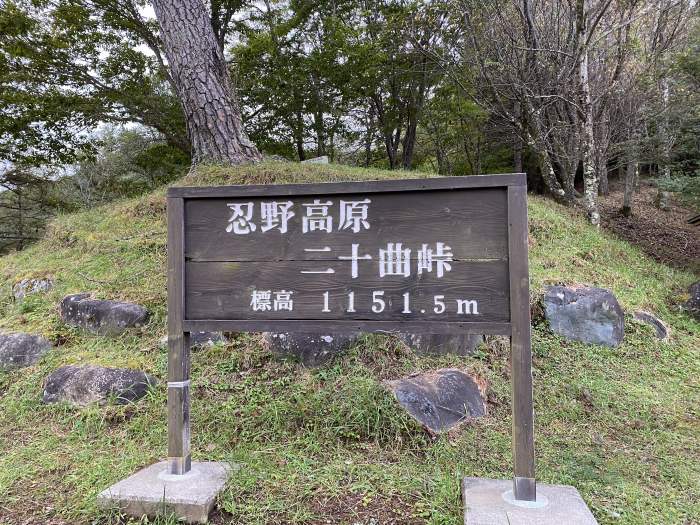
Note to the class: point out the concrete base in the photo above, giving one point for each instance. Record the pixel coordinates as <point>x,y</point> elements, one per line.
<point>153,491</point>
<point>491,502</point>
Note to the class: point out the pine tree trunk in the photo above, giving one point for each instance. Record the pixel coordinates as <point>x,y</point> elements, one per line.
<point>199,72</point>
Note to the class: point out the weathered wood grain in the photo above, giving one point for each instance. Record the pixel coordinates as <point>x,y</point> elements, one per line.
<point>330,188</point>
<point>473,224</point>
<point>178,346</point>
<point>349,326</point>
<point>223,290</point>
<point>524,486</point>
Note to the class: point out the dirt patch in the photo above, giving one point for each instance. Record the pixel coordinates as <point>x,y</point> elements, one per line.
<point>357,509</point>
<point>665,236</point>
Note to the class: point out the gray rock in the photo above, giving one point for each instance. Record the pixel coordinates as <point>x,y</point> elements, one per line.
<point>31,286</point>
<point>442,344</point>
<point>20,350</point>
<point>200,339</point>
<point>101,317</point>
<point>207,338</point>
<point>83,385</point>
<point>591,315</point>
<point>693,304</point>
<point>308,349</point>
<point>439,400</point>
<point>323,159</point>
<point>662,331</point>
<point>275,158</point>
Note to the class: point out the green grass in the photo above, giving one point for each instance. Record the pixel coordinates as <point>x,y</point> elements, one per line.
<point>330,445</point>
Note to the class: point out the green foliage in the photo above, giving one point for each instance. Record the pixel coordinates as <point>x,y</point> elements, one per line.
<point>329,444</point>
<point>461,135</point>
<point>687,188</point>
<point>69,65</point>
<point>128,163</point>
<point>28,198</point>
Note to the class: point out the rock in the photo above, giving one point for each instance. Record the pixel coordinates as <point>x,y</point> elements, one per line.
<point>662,331</point>
<point>275,158</point>
<point>591,315</point>
<point>308,349</point>
<point>323,159</point>
<point>441,344</point>
<point>82,385</point>
<point>20,350</point>
<point>693,304</point>
<point>101,317</point>
<point>439,400</point>
<point>200,339</point>
<point>31,286</point>
<point>207,338</point>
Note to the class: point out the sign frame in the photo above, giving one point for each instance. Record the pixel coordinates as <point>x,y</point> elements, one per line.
<point>518,328</point>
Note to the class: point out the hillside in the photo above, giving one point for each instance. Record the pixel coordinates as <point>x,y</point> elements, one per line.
<point>329,445</point>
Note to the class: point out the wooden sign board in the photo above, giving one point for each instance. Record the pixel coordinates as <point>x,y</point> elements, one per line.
<point>439,255</point>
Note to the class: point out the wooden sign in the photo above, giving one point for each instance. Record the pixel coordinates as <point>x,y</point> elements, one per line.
<point>440,255</point>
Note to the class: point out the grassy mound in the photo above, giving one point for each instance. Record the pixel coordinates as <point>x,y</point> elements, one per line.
<point>329,445</point>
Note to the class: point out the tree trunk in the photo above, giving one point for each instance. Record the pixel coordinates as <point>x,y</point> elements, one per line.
<point>550,179</point>
<point>518,145</point>
<point>408,143</point>
<point>536,142</point>
<point>663,196</point>
<point>630,176</point>
<point>299,136</point>
<point>369,135</point>
<point>590,179</point>
<point>631,171</point>
<point>199,72</point>
<point>602,169</point>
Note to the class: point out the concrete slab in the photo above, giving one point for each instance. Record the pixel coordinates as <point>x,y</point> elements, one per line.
<point>152,491</point>
<point>491,502</point>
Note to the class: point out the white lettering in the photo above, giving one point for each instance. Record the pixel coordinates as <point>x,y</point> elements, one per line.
<point>354,257</point>
<point>441,256</point>
<point>353,215</point>
<point>275,215</point>
<point>239,222</point>
<point>283,301</point>
<point>261,300</point>
<point>439,304</point>
<point>317,217</point>
<point>469,306</point>
<point>351,302</point>
<point>395,260</point>
<point>378,303</point>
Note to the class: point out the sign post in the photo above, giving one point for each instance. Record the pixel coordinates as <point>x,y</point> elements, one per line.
<point>437,255</point>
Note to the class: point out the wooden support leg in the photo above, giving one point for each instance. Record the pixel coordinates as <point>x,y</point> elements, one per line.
<point>179,461</point>
<point>178,347</point>
<point>523,420</point>
<point>521,353</point>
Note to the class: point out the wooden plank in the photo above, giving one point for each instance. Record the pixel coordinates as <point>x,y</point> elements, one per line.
<point>178,346</point>
<point>521,355</point>
<point>472,228</point>
<point>328,188</point>
<point>332,326</point>
<point>225,290</point>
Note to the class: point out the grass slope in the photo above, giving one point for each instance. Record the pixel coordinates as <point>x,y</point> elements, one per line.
<point>329,445</point>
